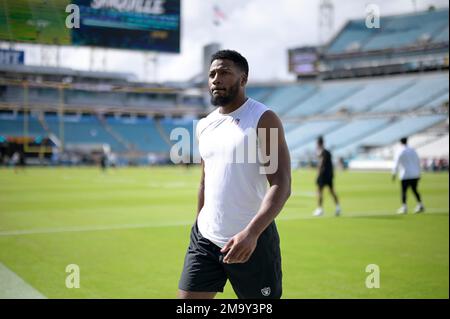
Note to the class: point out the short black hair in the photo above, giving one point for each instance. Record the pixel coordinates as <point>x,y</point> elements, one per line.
<point>320,140</point>
<point>234,56</point>
<point>404,140</point>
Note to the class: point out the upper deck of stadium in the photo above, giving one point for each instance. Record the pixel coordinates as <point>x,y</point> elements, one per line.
<point>396,32</point>
<point>376,85</point>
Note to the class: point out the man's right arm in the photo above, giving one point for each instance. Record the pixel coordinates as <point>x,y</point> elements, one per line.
<point>201,190</point>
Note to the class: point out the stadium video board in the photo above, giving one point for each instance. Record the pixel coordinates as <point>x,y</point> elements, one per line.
<point>304,61</point>
<point>152,25</point>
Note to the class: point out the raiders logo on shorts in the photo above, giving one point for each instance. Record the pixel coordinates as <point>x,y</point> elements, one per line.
<point>265,291</point>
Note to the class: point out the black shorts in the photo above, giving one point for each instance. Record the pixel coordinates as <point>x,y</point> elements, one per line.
<point>259,277</point>
<point>413,182</point>
<point>325,180</point>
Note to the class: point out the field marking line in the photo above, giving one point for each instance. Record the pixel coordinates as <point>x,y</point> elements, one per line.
<point>69,229</point>
<point>363,214</point>
<point>304,194</point>
<point>14,287</point>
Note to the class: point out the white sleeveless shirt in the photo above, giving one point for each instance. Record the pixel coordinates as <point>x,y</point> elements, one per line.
<point>234,185</point>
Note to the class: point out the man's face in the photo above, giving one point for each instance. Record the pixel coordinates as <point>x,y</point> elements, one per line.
<point>319,146</point>
<point>225,82</point>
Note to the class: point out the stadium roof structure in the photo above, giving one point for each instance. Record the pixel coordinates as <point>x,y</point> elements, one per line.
<point>48,70</point>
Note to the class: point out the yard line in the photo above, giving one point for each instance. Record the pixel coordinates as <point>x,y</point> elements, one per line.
<point>304,194</point>
<point>14,287</point>
<point>69,229</point>
<point>364,214</point>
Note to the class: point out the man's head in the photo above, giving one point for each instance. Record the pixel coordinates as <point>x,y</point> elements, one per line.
<point>404,140</point>
<point>320,142</point>
<point>228,74</point>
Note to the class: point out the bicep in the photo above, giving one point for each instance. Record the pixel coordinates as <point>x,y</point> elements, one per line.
<point>273,145</point>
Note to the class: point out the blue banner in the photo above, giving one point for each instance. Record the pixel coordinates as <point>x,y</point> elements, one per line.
<point>11,57</point>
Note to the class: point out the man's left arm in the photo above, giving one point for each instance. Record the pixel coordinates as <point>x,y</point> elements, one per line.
<point>396,165</point>
<point>241,246</point>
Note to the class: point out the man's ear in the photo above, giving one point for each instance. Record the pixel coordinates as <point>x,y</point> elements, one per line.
<point>244,79</point>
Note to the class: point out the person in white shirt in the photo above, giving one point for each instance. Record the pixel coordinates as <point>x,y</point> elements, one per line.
<point>235,237</point>
<point>407,165</point>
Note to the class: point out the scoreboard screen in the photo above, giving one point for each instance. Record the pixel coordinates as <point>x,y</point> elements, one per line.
<point>304,61</point>
<point>152,25</point>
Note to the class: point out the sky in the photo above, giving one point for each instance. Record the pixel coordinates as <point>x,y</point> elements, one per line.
<point>261,30</point>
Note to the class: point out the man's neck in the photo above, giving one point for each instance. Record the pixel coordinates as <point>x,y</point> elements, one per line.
<point>233,106</point>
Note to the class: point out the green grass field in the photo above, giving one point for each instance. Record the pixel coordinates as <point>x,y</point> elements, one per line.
<point>128,230</point>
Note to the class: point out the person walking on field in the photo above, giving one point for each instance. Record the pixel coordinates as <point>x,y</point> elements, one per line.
<point>407,166</point>
<point>234,236</point>
<point>325,176</point>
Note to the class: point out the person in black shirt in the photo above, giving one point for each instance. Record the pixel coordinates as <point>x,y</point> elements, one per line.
<point>325,177</point>
<point>103,161</point>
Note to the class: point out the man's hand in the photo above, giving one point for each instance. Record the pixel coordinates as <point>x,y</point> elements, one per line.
<point>240,247</point>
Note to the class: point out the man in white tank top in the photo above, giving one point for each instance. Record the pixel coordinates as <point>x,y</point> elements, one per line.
<point>246,180</point>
